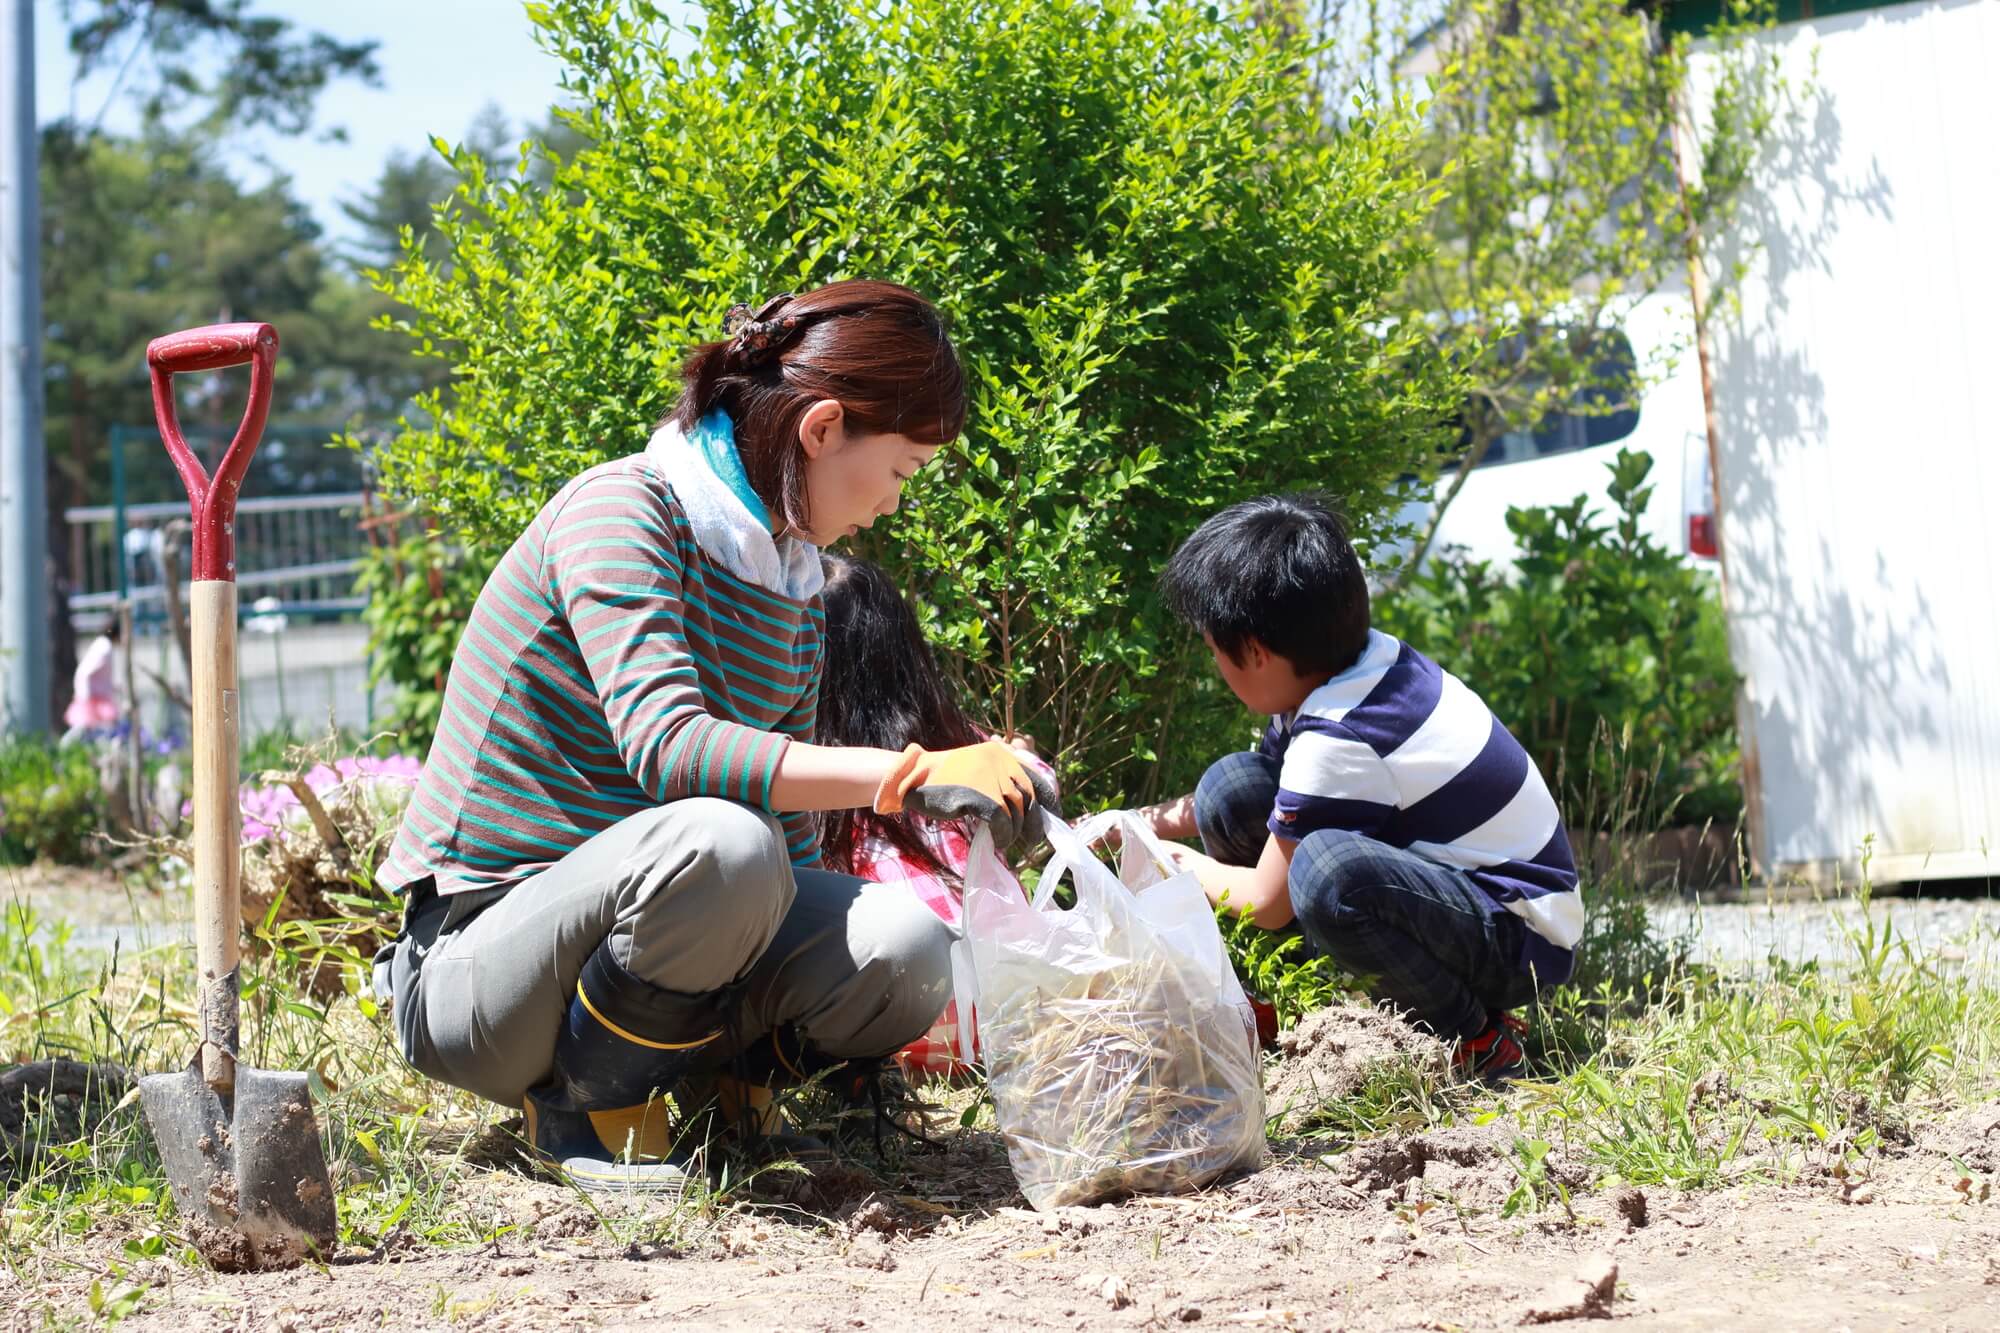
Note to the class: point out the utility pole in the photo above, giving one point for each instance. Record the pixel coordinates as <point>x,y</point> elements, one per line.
<point>24,646</point>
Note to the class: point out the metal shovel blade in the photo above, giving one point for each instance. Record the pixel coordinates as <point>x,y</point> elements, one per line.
<point>247,1171</point>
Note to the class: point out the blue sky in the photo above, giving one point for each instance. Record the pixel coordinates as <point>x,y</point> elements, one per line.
<point>441,60</point>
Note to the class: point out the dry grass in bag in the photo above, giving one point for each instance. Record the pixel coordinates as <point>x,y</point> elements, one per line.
<point>1145,1086</point>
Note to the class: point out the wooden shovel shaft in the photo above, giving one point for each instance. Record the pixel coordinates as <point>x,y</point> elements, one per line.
<point>218,842</point>
<point>218,837</point>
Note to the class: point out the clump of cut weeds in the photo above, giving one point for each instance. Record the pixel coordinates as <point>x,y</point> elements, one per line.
<point>1125,1082</point>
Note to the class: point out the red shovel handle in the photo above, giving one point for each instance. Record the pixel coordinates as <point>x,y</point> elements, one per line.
<point>212,500</point>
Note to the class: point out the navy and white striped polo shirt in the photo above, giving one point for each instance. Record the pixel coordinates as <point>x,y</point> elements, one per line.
<point>1398,748</point>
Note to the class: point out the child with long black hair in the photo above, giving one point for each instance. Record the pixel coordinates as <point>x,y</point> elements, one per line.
<point>882,687</point>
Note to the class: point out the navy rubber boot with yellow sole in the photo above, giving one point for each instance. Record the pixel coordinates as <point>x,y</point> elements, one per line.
<point>599,1118</point>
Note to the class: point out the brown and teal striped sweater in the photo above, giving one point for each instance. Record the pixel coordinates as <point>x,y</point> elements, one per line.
<point>611,664</point>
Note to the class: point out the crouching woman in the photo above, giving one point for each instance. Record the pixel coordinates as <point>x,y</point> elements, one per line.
<point>611,873</point>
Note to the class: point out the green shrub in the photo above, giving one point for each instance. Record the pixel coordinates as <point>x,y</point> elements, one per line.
<point>1169,268</point>
<point>1599,634</point>
<point>51,802</point>
<point>419,592</point>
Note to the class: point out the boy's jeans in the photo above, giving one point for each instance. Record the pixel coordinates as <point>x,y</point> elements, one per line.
<point>1419,934</point>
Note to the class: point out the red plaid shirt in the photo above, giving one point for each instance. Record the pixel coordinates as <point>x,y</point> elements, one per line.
<point>877,859</point>
<point>936,1052</point>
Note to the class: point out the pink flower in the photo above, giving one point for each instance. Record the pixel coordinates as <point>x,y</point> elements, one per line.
<point>266,805</point>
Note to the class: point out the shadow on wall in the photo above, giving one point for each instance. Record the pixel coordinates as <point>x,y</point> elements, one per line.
<point>1838,648</point>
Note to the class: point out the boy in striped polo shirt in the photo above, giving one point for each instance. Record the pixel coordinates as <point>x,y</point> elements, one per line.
<point>1386,810</point>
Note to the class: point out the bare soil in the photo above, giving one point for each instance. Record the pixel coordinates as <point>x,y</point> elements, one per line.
<point>68,893</point>
<point>1399,1232</point>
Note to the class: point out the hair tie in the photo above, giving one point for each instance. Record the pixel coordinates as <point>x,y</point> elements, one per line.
<point>754,337</point>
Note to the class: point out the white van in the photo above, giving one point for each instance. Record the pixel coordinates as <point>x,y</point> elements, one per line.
<point>1570,455</point>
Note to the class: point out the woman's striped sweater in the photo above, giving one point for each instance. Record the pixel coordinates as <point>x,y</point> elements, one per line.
<point>609,665</point>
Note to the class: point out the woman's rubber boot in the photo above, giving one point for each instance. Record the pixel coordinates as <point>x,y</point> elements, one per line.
<point>737,1103</point>
<point>599,1119</point>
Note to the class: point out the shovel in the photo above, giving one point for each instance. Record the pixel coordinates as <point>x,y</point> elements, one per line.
<point>240,1145</point>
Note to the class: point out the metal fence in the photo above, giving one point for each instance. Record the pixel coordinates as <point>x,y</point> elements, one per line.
<point>299,534</point>
<point>303,550</point>
<point>300,538</point>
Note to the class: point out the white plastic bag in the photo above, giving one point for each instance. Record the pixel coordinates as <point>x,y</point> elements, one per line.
<point>1120,1050</point>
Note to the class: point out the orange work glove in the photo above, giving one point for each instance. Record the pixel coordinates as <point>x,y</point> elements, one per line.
<point>986,781</point>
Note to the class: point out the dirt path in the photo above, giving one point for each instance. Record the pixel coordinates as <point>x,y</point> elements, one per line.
<point>96,908</point>
<point>1402,1233</point>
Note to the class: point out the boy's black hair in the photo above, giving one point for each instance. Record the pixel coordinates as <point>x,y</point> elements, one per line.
<point>1278,569</point>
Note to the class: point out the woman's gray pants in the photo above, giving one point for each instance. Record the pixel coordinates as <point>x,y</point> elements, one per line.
<point>692,897</point>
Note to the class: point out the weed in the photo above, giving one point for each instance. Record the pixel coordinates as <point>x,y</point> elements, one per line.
<point>1534,1187</point>
<point>1274,966</point>
<point>1832,1059</point>
<point>1395,1097</point>
<point>281,746</point>
<point>112,1306</point>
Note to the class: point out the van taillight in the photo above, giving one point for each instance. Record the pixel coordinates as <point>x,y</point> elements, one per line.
<point>1701,535</point>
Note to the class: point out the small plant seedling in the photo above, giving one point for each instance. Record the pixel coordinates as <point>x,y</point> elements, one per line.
<point>1534,1185</point>
<point>121,1303</point>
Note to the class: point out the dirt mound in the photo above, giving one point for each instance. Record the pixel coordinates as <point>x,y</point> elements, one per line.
<point>1299,1178</point>
<point>531,1204</point>
<point>1472,1164</point>
<point>822,1187</point>
<point>873,1212</point>
<point>1333,1052</point>
<point>1384,1163</point>
<point>50,1102</point>
<point>1972,1137</point>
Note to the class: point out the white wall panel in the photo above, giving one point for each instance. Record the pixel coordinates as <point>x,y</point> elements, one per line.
<point>1859,451</point>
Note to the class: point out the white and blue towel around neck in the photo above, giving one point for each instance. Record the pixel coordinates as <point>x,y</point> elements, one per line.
<point>733,526</point>
<point>1399,749</point>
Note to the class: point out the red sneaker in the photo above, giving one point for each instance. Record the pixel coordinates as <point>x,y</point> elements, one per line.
<point>1493,1057</point>
<point>1516,1025</point>
<point>1267,1023</point>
